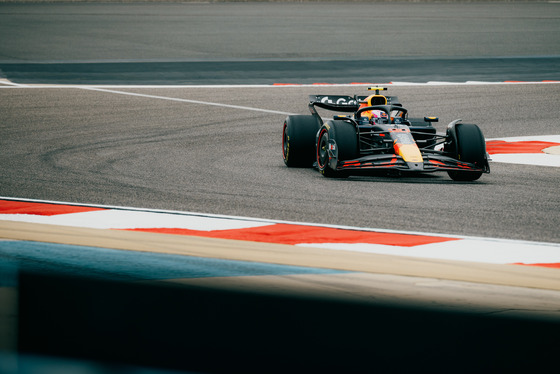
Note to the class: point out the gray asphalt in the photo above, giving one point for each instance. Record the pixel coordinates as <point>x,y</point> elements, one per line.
<point>217,31</point>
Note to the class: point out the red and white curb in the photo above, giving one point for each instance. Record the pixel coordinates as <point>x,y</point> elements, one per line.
<point>542,150</point>
<point>390,242</point>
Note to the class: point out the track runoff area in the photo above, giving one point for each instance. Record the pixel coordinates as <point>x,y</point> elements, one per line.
<point>217,258</point>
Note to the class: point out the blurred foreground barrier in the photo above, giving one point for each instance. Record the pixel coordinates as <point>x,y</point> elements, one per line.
<point>218,331</point>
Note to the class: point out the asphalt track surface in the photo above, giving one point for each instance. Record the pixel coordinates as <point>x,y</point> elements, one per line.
<point>216,149</point>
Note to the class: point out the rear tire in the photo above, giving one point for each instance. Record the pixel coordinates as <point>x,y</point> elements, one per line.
<point>298,140</point>
<point>469,147</point>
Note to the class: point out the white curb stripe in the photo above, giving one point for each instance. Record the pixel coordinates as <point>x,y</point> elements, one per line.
<point>123,219</point>
<point>536,159</point>
<point>473,250</point>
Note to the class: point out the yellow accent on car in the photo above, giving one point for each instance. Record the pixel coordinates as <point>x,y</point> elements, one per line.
<point>410,153</point>
<point>372,100</point>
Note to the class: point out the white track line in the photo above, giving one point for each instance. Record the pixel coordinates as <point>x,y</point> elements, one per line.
<point>183,100</point>
<point>276,85</point>
<point>8,83</point>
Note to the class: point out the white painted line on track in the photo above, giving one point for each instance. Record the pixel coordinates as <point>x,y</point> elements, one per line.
<point>7,83</point>
<point>183,100</point>
<point>276,85</point>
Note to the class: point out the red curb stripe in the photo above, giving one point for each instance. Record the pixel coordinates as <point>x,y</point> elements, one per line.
<point>41,209</point>
<point>296,234</point>
<point>546,265</point>
<point>503,147</point>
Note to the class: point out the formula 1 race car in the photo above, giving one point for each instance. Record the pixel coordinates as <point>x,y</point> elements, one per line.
<point>379,136</point>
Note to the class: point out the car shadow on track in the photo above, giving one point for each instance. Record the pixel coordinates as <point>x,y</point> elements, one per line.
<point>409,178</point>
<point>387,177</point>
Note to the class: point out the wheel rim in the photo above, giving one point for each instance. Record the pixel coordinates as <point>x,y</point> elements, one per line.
<point>322,151</point>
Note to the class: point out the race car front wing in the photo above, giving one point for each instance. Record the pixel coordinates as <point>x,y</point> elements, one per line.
<point>431,163</point>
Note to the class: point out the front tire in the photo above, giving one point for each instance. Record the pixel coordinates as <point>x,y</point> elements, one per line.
<point>468,145</point>
<point>337,141</point>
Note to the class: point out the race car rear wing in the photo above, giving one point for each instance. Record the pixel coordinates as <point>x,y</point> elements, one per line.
<point>342,103</point>
<point>335,102</point>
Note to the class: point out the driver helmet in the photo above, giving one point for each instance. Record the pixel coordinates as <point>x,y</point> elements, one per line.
<point>372,114</point>
<point>378,114</point>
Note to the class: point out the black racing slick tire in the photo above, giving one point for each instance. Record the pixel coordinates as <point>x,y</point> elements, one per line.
<point>337,141</point>
<point>468,146</point>
<point>298,140</point>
